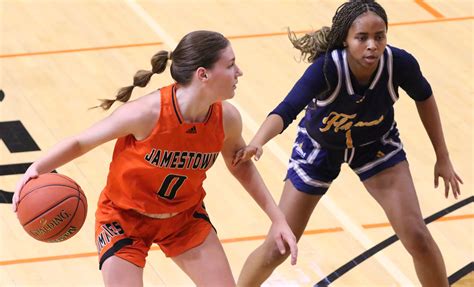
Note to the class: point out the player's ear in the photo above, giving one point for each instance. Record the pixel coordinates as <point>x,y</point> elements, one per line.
<point>202,74</point>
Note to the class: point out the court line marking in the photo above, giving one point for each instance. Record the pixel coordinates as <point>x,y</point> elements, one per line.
<point>456,276</point>
<point>248,36</point>
<point>449,218</point>
<point>81,49</point>
<point>429,9</point>
<point>356,261</point>
<point>224,241</point>
<point>91,254</point>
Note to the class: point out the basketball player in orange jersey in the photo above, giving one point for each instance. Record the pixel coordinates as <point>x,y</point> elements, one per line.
<point>166,141</point>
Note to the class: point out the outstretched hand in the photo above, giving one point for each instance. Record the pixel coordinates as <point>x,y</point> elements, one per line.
<point>246,153</point>
<point>445,170</point>
<point>29,174</point>
<point>281,233</point>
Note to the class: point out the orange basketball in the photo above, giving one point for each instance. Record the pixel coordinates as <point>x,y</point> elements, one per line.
<point>52,207</point>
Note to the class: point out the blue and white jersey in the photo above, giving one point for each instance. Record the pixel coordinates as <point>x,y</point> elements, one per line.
<point>352,115</point>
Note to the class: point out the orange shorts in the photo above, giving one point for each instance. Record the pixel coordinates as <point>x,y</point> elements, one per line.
<point>129,235</point>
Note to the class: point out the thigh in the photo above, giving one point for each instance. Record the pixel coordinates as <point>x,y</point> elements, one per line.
<point>120,233</point>
<point>184,231</point>
<point>394,190</point>
<point>206,264</point>
<point>369,160</point>
<point>297,207</point>
<point>119,272</point>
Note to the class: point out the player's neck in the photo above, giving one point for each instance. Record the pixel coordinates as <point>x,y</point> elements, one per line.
<point>192,104</point>
<point>361,73</point>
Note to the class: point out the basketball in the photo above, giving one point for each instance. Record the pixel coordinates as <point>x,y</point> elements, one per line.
<point>52,207</point>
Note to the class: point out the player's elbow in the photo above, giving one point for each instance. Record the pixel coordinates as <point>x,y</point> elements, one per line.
<point>77,147</point>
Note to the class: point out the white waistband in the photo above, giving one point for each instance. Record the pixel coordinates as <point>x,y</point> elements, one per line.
<point>159,215</point>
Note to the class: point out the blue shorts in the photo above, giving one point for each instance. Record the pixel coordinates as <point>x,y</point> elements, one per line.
<point>312,168</point>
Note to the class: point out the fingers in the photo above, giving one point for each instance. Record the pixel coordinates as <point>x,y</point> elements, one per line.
<point>455,187</point>
<point>292,245</point>
<point>237,157</point>
<point>240,156</point>
<point>19,186</point>
<point>455,180</point>
<point>452,183</point>
<point>16,194</point>
<point>246,153</point>
<point>291,242</point>
<point>280,245</point>
<point>446,188</point>
<point>293,249</point>
<point>451,180</point>
<point>258,153</point>
<point>15,202</point>
<point>458,180</point>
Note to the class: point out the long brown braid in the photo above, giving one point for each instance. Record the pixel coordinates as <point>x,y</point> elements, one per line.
<point>326,39</point>
<point>196,49</point>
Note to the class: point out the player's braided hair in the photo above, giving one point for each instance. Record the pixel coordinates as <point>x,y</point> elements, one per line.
<point>196,49</point>
<point>326,39</point>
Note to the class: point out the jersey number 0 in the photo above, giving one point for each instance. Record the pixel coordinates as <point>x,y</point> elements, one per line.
<point>170,186</point>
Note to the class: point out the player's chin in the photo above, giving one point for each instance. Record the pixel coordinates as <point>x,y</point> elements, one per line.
<point>370,62</point>
<point>231,93</point>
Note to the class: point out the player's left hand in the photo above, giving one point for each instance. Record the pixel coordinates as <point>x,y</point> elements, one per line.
<point>281,234</point>
<point>444,168</point>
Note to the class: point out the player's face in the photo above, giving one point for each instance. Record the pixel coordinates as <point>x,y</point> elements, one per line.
<point>366,41</point>
<point>224,75</point>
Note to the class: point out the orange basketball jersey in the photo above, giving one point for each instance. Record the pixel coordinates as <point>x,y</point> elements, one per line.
<point>165,172</point>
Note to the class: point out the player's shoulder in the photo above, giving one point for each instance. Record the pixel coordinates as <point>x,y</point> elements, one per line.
<point>401,55</point>
<point>325,59</point>
<point>151,101</point>
<point>143,107</point>
<point>324,62</point>
<point>230,111</point>
<point>139,116</point>
<point>232,119</point>
<point>404,63</point>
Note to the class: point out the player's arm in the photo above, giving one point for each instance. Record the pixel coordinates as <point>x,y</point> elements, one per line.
<point>309,86</point>
<point>248,176</point>
<point>131,118</point>
<point>126,119</point>
<point>411,79</point>
<point>271,127</point>
<point>429,116</point>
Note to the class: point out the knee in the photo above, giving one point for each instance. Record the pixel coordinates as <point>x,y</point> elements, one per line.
<point>419,242</point>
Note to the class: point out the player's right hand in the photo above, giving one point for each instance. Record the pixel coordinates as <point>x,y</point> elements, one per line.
<point>246,153</point>
<point>29,174</point>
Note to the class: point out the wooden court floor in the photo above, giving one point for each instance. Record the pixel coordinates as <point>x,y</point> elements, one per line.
<point>57,57</point>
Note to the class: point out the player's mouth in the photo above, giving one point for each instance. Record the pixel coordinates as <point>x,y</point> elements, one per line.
<point>371,59</point>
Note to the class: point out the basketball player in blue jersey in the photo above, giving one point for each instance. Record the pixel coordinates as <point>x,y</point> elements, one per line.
<point>349,91</point>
